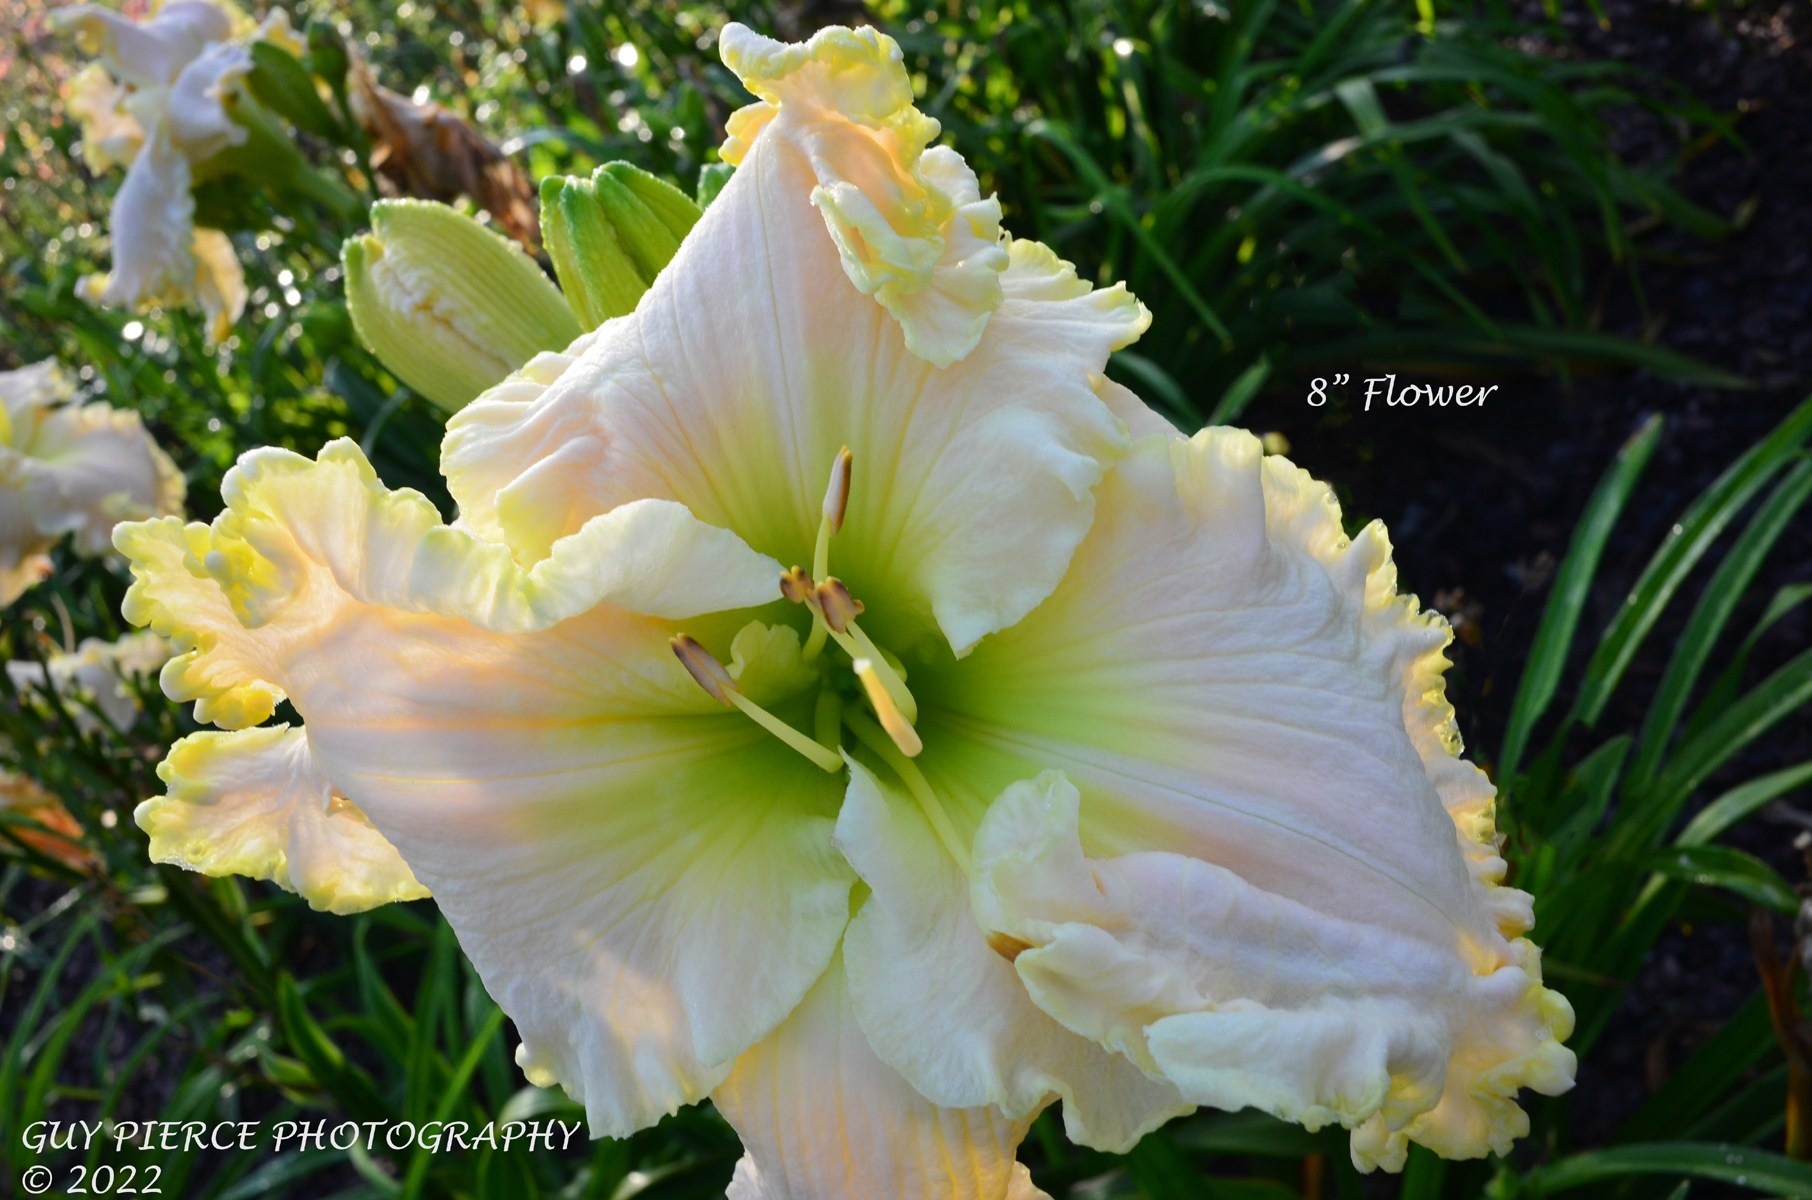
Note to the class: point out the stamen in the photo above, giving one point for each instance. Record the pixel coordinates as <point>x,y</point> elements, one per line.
<point>836,503</point>
<point>832,601</point>
<point>1007,946</point>
<point>704,668</point>
<point>898,728</point>
<point>796,586</point>
<point>870,735</point>
<point>716,681</point>
<point>836,494</point>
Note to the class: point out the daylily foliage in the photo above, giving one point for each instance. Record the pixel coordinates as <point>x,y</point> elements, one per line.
<point>1085,762</point>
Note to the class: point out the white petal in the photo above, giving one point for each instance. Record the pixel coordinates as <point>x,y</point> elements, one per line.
<point>150,52</point>
<point>87,468</point>
<point>196,119</point>
<point>27,389</point>
<point>152,227</point>
<point>910,225</point>
<point>944,1009</point>
<point>644,881</point>
<point>1230,681</point>
<point>254,803</point>
<point>751,361</point>
<point>219,282</point>
<point>821,1118</point>
<point>110,135</point>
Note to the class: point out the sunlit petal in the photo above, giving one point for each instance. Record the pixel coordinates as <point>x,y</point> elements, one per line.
<point>946,1010</point>
<point>1227,679</point>
<point>110,136</point>
<point>821,1118</point>
<point>150,52</point>
<point>254,803</point>
<point>751,361</point>
<point>644,881</point>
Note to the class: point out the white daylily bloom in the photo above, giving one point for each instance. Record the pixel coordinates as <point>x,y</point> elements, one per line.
<point>111,136</point>
<point>1084,705</point>
<point>70,469</point>
<point>166,115</point>
<point>99,673</point>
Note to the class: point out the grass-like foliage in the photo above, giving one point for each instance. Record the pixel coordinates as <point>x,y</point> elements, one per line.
<point>1284,182</point>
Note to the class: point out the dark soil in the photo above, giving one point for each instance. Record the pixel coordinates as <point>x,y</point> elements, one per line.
<point>1481,502</point>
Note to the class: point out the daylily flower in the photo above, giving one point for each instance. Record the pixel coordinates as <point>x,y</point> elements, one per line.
<point>70,469</point>
<point>98,673</point>
<point>1133,770</point>
<point>156,100</point>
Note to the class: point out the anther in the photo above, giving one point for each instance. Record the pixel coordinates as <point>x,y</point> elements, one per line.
<point>797,586</point>
<point>832,601</point>
<point>1007,946</point>
<point>716,681</point>
<point>704,668</point>
<point>898,728</point>
<point>836,494</point>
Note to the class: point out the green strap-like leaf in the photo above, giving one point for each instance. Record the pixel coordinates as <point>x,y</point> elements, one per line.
<point>1727,868</point>
<point>1739,802</point>
<point>1744,1166</point>
<point>1709,617</point>
<point>1680,551</point>
<point>1548,654</point>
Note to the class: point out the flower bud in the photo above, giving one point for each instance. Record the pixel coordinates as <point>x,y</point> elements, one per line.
<point>610,235</point>
<point>449,306</point>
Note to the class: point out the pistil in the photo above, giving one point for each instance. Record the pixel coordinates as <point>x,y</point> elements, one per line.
<point>710,675</point>
<point>898,727</point>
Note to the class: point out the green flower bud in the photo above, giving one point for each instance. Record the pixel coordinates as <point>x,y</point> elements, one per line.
<point>449,306</point>
<point>610,235</point>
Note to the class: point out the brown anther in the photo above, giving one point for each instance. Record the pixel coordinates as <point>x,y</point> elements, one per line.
<point>836,605</point>
<point>1007,946</point>
<point>709,673</point>
<point>836,493</point>
<point>796,586</point>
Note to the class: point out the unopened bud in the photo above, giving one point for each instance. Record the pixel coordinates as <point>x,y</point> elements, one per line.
<point>449,306</point>
<point>704,668</point>
<point>797,586</point>
<point>610,235</point>
<point>834,603</point>
<point>836,493</point>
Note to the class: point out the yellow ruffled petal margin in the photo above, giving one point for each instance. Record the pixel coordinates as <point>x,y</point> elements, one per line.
<point>253,803</point>
<point>297,530</point>
<point>909,222</point>
<point>1226,989</point>
<point>1477,1112</point>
